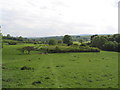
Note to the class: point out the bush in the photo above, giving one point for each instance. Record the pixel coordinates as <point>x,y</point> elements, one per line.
<point>75,44</point>
<point>57,49</point>
<point>89,44</point>
<point>27,48</point>
<point>26,68</point>
<point>60,41</point>
<point>12,43</point>
<point>83,44</point>
<point>70,43</point>
<point>35,42</point>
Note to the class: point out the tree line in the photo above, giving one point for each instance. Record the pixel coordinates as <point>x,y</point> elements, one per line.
<point>106,42</point>
<point>66,39</point>
<point>103,42</point>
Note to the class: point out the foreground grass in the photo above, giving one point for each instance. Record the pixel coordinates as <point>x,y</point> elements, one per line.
<point>61,70</point>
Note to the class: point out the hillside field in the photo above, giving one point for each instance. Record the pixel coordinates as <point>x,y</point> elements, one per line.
<point>59,70</point>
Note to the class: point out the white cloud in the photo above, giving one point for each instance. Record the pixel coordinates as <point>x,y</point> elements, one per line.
<point>58,17</point>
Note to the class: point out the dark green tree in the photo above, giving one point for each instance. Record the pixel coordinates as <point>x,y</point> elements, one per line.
<point>8,36</point>
<point>52,42</point>
<point>59,41</point>
<point>67,40</point>
<point>81,40</point>
<point>98,41</point>
<point>116,37</point>
<point>20,38</point>
<point>93,36</point>
<point>110,46</point>
<point>27,48</point>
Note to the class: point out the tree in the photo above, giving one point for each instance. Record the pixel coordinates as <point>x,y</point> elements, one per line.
<point>98,41</point>
<point>83,44</point>
<point>107,42</point>
<point>110,46</point>
<point>59,41</point>
<point>52,42</point>
<point>81,40</point>
<point>93,36</point>
<point>8,36</point>
<point>67,40</point>
<point>116,37</point>
<point>20,38</point>
<point>110,38</point>
<point>27,48</point>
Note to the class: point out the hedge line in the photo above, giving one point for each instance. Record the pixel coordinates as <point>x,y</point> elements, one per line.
<point>71,49</point>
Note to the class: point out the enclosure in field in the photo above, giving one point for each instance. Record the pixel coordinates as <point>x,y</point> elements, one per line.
<point>59,70</point>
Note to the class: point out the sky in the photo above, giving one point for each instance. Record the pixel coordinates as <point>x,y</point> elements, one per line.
<point>41,18</point>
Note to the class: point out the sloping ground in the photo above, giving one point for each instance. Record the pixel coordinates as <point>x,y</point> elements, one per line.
<point>62,70</point>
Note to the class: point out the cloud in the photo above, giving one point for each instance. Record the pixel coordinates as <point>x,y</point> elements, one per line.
<point>57,17</point>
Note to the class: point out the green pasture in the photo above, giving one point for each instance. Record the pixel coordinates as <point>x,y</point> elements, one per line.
<point>59,70</point>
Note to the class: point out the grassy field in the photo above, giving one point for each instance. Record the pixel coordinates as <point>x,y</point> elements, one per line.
<point>61,70</point>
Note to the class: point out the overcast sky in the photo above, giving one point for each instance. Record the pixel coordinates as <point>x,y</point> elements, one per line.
<point>38,18</point>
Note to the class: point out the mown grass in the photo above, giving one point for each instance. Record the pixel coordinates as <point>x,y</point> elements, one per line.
<point>59,70</point>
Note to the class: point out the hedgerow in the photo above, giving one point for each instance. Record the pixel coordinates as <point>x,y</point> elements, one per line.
<point>65,49</point>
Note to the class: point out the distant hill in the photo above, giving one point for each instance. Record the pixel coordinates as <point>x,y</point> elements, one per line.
<point>85,37</point>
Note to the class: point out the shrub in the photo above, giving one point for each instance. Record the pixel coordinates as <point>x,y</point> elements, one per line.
<point>88,43</point>
<point>12,43</point>
<point>75,44</point>
<point>26,68</point>
<point>60,41</point>
<point>83,44</point>
<point>27,48</point>
<point>70,43</point>
<point>57,49</point>
<point>35,42</point>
